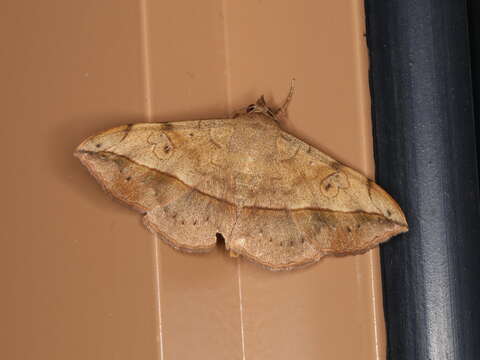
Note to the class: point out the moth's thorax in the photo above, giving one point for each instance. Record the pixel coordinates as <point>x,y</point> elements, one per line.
<point>255,135</point>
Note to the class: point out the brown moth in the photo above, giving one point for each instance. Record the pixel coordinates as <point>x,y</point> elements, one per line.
<point>268,195</point>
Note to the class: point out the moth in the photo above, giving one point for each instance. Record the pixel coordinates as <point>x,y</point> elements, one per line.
<point>269,196</point>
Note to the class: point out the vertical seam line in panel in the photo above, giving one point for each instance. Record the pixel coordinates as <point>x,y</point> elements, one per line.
<point>374,310</point>
<point>148,114</point>
<point>226,43</point>
<point>156,269</point>
<point>361,86</point>
<point>363,100</point>
<point>242,329</point>
<point>146,60</point>
<point>228,85</point>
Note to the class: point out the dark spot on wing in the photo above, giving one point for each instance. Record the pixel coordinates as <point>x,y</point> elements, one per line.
<point>126,132</point>
<point>335,165</point>
<point>120,162</point>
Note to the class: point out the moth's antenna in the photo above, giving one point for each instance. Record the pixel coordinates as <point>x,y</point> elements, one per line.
<point>283,108</point>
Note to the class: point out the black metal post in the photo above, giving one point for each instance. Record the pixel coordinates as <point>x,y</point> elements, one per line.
<point>426,158</point>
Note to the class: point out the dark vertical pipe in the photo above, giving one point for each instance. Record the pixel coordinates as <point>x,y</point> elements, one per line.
<point>474,35</point>
<point>426,158</point>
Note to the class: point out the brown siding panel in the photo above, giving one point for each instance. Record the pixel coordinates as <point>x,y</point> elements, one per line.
<point>81,271</point>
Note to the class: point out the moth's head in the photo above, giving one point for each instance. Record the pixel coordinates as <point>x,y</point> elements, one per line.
<point>103,141</point>
<point>260,107</point>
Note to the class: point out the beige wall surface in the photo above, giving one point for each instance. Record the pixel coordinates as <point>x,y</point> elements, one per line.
<point>82,278</point>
